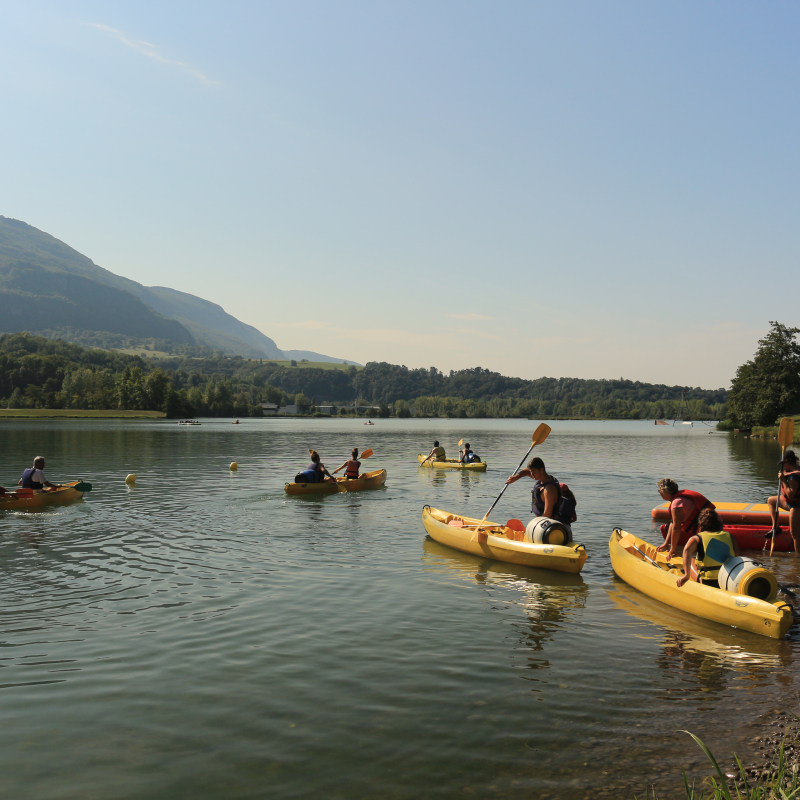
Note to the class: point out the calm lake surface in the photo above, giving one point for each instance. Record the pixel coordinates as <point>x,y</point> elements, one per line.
<point>203,635</point>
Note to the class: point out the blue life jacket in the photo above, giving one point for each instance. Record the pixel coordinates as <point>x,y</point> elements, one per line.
<point>27,483</point>
<point>312,474</point>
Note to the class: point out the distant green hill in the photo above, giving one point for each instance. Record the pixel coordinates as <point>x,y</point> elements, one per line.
<point>47,287</point>
<point>45,284</point>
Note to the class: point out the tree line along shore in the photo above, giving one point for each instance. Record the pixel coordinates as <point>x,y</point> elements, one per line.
<point>40,373</point>
<point>37,373</point>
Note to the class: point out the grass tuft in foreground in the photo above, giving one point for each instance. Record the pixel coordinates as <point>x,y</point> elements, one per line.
<point>779,781</point>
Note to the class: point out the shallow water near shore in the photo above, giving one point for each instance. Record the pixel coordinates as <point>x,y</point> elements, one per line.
<point>203,635</point>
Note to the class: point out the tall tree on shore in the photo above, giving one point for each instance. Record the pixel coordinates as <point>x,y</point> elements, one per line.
<point>768,385</point>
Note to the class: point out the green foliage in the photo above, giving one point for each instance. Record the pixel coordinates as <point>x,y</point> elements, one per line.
<point>782,782</point>
<point>768,386</point>
<point>41,373</point>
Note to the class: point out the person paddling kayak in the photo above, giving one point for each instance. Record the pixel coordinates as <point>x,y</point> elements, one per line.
<point>684,507</point>
<point>465,455</point>
<point>708,550</point>
<point>33,477</point>
<point>789,476</point>
<point>549,499</point>
<point>351,467</point>
<point>436,454</point>
<point>315,472</point>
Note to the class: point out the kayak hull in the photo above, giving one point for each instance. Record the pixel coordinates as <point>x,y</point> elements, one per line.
<point>452,463</point>
<point>753,537</point>
<point>500,543</point>
<point>371,480</point>
<point>64,494</point>
<point>726,608</point>
<point>734,513</point>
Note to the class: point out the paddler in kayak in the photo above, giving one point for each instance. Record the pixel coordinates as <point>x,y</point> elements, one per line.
<point>465,455</point>
<point>315,472</point>
<point>708,550</point>
<point>436,454</point>
<point>351,467</point>
<point>550,498</point>
<point>789,476</point>
<point>684,507</point>
<point>33,477</point>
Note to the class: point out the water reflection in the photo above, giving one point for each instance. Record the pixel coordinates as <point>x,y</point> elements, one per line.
<point>698,655</point>
<point>547,598</point>
<point>758,459</point>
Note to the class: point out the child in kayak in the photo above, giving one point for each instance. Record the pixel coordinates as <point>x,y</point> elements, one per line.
<point>707,551</point>
<point>315,472</point>
<point>351,467</point>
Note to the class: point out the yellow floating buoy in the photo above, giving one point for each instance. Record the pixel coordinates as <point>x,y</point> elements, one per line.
<point>234,465</point>
<point>131,478</point>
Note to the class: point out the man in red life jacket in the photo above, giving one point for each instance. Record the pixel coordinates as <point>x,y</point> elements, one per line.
<point>684,507</point>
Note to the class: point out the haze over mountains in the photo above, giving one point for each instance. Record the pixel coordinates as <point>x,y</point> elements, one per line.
<point>47,286</point>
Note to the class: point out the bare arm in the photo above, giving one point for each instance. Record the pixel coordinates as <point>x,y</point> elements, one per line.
<point>523,473</point>
<point>550,499</point>
<point>689,553</point>
<point>674,532</point>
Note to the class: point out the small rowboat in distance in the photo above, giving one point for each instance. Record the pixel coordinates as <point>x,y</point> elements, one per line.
<point>639,564</point>
<point>370,480</point>
<point>500,542</point>
<point>452,463</point>
<point>23,499</point>
<point>734,513</point>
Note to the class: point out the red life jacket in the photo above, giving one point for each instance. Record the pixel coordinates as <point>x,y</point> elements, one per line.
<point>351,470</point>
<point>689,525</point>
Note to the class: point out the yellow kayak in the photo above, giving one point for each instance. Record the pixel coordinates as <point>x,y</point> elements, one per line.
<point>452,463</point>
<point>659,581</point>
<point>370,480</point>
<point>500,542</point>
<point>21,499</point>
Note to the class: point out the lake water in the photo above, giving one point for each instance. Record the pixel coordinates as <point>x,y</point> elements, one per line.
<point>203,635</point>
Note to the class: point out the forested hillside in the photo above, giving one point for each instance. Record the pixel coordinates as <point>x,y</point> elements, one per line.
<point>40,373</point>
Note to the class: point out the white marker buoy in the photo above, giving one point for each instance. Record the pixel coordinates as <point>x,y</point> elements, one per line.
<point>131,478</point>
<point>234,466</point>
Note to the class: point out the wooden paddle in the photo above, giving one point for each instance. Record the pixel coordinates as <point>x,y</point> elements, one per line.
<point>785,436</point>
<point>539,435</point>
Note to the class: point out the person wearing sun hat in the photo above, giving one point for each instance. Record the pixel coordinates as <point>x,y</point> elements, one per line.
<point>789,500</point>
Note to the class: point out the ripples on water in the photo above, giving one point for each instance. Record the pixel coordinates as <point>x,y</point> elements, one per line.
<point>204,635</point>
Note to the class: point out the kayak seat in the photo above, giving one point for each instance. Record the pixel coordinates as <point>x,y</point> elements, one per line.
<point>516,530</point>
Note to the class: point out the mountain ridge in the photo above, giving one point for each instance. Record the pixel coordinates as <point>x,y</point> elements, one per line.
<point>78,294</point>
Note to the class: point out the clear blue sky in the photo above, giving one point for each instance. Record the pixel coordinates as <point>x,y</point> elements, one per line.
<point>587,189</point>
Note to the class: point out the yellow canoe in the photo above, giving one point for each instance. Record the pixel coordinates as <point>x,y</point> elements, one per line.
<point>452,463</point>
<point>660,582</point>
<point>64,494</point>
<point>370,480</point>
<point>500,543</point>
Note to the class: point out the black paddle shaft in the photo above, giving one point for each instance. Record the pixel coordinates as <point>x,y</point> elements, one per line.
<point>507,485</point>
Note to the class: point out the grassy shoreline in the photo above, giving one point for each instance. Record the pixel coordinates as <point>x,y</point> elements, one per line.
<point>765,432</point>
<point>77,413</point>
